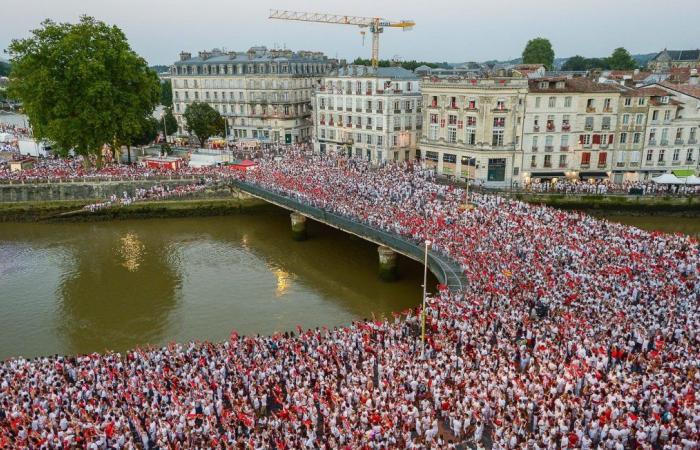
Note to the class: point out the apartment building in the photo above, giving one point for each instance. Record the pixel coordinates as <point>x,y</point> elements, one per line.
<point>372,113</point>
<point>262,94</point>
<point>472,128</point>
<point>673,130</point>
<point>633,116</point>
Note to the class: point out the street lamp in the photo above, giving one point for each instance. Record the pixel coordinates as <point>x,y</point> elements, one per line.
<point>425,286</point>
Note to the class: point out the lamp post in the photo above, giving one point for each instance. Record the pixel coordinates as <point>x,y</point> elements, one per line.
<point>425,286</point>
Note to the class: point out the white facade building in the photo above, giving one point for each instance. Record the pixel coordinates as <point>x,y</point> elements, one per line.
<point>372,113</point>
<point>262,94</point>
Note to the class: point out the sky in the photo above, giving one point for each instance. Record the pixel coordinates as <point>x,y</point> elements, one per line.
<point>446,30</point>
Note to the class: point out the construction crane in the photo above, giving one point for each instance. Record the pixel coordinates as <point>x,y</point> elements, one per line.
<point>374,24</point>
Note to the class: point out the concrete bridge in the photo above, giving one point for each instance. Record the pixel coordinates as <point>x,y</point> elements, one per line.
<point>444,268</point>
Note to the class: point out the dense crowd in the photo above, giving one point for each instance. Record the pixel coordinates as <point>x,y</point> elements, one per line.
<point>572,332</point>
<point>602,187</point>
<point>157,192</point>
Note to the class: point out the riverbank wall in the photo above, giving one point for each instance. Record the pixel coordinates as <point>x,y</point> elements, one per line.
<point>617,204</point>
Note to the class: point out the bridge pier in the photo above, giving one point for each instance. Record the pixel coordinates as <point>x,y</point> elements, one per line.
<point>387,264</point>
<point>298,226</point>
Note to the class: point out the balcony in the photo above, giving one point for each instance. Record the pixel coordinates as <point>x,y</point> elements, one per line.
<point>604,145</point>
<point>433,105</point>
<point>368,127</point>
<point>547,165</point>
<point>664,141</point>
<point>564,148</point>
<point>339,108</point>
<point>453,106</point>
<point>620,164</point>
<point>380,111</point>
<point>692,141</point>
<point>652,141</point>
<point>550,128</point>
<point>358,109</point>
<point>348,109</point>
<point>607,110</point>
<point>565,127</point>
<point>587,145</point>
<point>634,164</point>
<point>678,141</point>
<point>397,128</point>
<point>536,129</point>
<point>408,127</point>
<point>590,109</point>
<point>588,128</point>
<point>585,165</point>
<point>368,92</point>
<point>605,126</point>
<point>471,108</point>
<point>548,148</point>
<point>357,125</point>
<point>380,128</point>
<point>397,111</point>
<point>534,148</point>
<point>602,165</point>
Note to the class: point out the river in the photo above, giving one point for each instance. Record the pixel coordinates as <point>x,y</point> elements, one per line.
<point>82,287</point>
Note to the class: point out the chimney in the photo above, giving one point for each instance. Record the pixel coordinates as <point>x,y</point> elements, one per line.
<point>693,80</point>
<point>184,56</point>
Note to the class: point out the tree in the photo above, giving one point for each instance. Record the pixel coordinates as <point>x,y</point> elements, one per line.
<point>621,60</point>
<point>149,131</point>
<point>577,62</point>
<point>4,69</point>
<point>81,85</point>
<point>170,122</point>
<point>539,51</point>
<point>204,121</point>
<point>166,93</point>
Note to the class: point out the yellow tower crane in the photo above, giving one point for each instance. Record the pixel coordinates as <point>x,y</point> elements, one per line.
<point>374,24</point>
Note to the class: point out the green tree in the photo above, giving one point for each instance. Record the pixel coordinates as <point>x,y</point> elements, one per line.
<point>170,122</point>
<point>203,121</point>
<point>4,69</point>
<point>149,132</point>
<point>166,93</point>
<point>577,62</point>
<point>621,60</point>
<point>81,85</point>
<point>539,51</point>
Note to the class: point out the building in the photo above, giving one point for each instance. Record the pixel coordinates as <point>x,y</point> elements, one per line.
<point>665,60</point>
<point>472,127</point>
<point>262,94</point>
<point>673,130</point>
<point>373,113</point>
<point>569,128</point>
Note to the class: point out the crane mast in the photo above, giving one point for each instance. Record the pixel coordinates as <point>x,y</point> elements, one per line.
<point>375,25</point>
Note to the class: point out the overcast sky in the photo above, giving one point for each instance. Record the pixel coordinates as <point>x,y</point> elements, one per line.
<point>446,30</point>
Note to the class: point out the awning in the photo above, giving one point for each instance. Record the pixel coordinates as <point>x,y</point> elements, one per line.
<point>547,175</point>
<point>667,178</point>
<point>584,175</point>
<point>683,172</point>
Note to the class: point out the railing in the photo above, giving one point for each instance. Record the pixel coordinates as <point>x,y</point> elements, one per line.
<point>678,141</point>
<point>565,127</point>
<point>564,148</point>
<point>548,148</point>
<point>446,270</point>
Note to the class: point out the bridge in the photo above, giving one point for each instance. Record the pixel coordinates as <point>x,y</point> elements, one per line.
<point>444,268</point>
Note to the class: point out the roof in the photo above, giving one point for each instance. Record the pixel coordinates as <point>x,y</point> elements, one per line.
<point>645,92</point>
<point>687,89</point>
<point>254,55</point>
<point>681,55</point>
<point>395,73</point>
<point>572,85</point>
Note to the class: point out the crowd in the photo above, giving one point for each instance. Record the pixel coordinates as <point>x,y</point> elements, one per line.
<point>157,192</point>
<point>572,333</point>
<point>602,187</point>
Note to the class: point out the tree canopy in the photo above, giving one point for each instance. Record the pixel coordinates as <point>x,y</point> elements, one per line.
<point>203,121</point>
<point>4,69</point>
<point>539,51</point>
<point>166,93</point>
<point>621,60</point>
<point>408,65</point>
<point>81,85</point>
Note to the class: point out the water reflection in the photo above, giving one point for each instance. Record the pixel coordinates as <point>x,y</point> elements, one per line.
<point>284,280</point>
<point>117,295</point>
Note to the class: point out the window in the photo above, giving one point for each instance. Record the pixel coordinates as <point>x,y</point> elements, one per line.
<point>472,103</point>
<point>634,156</point>
<point>562,161</point>
<point>431,156</point>
<point>679,134</point>
<point>497,138</point>
<point>544,85</point>
<point>496,169</point>
<point>623,138</point>
<point>547,160</point>
<point>433,118</point>
<point>567,102</point>
<point>471,121</point>
<point>650,155</point>
<point>534,142</point>
<point>380,140</point>
<point>433,101</point>
<point>585,139</point>
<point>606,123</point>
<point>655,115</point>
<point>662,153</point>
<point>606,104</point>
<point>676,155</point>
<point>585,158</point>
<point>667,115</point>
<point>533,161</point>
<point>565,142</point>
<point>499,122</point>
<point>641,101</point>
<point>453,102</point>
<point>625,119</point>
<point>433,132</point>
<point>537,101</point>
<point>552,102</point>
<point>602,159</point>
<point>471,136</point>
<point>620,157</point>
<point>639,120</point>
<point>452,119</point>
<point>628,101</point>
<point>691,138</point>
<point>689,155</point>
<point>500,105</point>
<point>451,134</point>
<point>549,143</point>
<point>590,105</point>
<point>589,123</point>
<point>664,136</point>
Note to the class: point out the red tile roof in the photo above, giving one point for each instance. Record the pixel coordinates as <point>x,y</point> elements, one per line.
<point>687,89</point>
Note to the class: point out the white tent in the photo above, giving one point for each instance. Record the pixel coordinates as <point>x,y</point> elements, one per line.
<point>667,178</point>
<point>692,180</point>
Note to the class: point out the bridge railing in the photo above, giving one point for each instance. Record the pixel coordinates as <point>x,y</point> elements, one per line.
<point>444,269</point>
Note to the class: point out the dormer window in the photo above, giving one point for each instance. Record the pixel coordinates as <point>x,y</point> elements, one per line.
<point>544,85</point>
<point>664,99</point>
<point>560,85</point>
